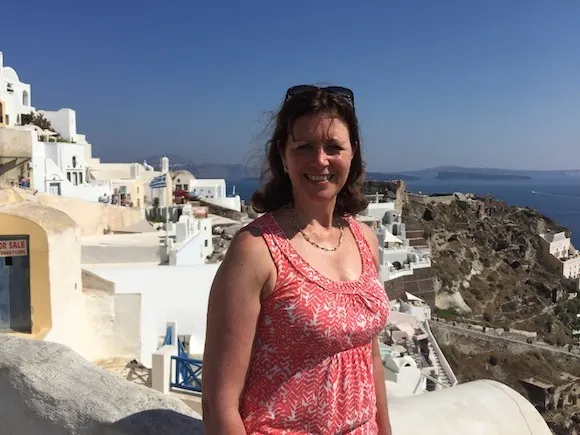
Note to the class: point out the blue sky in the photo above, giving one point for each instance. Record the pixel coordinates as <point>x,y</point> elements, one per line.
<point>476,83</point>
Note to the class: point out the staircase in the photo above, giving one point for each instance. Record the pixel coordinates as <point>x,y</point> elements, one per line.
<point>441,374</point>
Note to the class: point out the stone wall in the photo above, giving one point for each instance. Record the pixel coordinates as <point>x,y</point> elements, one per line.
<point>222,211</point>
<point>91,217</point>
<point>420,284</point>
<point>474,340</point>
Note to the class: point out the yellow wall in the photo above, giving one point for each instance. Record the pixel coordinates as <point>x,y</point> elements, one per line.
<point>39,270</point>
<point>136,188</point>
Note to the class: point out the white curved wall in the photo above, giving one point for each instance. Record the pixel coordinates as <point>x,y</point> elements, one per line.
<point>476,408</point>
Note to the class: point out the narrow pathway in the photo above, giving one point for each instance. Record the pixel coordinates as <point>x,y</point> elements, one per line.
<point>546,347</point>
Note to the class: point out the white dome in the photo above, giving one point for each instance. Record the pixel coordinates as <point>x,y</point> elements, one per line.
<point>10,75</point>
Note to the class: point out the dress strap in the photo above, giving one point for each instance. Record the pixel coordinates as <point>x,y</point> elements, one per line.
<point>271,233</point>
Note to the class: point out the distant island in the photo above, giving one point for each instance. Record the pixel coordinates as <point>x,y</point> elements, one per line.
<point>384,176</point>
<point>246,170</point>
<point>445,175</point>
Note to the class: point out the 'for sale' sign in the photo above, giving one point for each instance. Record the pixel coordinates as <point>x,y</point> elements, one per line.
<point>13,248</point>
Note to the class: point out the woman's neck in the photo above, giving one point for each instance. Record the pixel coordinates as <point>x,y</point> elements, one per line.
<point>319,215</point>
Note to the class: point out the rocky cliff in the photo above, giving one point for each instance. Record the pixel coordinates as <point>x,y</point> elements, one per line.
<point>487,264</point>
<point>489,272</point>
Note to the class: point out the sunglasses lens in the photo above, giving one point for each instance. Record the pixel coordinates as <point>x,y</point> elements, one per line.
<point>295,90</point>
<point>339,90</point>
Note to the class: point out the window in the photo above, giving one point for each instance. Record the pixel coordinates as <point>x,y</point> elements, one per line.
<point>9,261</point>
<point>68,175</point>
<point>80,178</point>
<point>206,243</point>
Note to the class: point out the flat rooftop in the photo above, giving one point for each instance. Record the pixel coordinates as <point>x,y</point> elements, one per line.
<point>131,239</point>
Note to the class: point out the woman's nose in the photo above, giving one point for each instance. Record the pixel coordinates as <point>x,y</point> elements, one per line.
<point>321,157</point>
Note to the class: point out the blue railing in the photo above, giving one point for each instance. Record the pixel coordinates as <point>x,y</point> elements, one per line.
<point>187,373</point>
<point>168,334</point>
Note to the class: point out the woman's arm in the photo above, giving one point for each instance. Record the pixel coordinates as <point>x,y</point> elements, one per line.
<point>233,310</point>
<point>381,391</point>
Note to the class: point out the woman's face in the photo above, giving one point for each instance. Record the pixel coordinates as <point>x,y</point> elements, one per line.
<point>317,156</point>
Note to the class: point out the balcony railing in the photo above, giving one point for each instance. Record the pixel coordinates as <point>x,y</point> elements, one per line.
<point>187,374</point>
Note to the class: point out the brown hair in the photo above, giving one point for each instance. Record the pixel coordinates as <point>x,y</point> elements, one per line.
<point>277,188</point>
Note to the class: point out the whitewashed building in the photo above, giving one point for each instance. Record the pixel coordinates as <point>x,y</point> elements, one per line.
<point>15,96</point>
<point>396,257</point>
<point>31,157</point>
<point>560,254</point>
<point>214,192</point>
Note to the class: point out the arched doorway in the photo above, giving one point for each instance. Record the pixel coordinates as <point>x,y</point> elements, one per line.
<point>24,273</point>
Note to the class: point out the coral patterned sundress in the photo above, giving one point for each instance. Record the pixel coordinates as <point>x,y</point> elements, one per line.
<point>312,366</point>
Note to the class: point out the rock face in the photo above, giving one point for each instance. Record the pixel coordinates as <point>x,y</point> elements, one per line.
<point>487,262</point>
<point>47,389</point>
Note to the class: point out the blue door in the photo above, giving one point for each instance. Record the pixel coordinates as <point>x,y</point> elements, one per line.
<point>15,284</point>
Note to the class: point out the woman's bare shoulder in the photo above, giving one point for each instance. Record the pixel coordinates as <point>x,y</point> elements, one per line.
<point>248,251</point>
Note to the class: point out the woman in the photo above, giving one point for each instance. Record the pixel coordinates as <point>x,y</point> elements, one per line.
<point>297,304</point>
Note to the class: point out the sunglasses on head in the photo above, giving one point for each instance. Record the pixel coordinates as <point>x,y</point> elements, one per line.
<point>337,90</point>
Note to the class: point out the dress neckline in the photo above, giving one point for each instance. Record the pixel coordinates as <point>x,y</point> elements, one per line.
<point>353,286</point>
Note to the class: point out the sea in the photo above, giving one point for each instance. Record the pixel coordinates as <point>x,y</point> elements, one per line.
<point>557,197</point>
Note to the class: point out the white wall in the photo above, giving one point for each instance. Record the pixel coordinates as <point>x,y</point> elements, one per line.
<point>183,181</point>
<point>38,166</point>
<point>168,293</point>
<point>69,321</point>
<point>68,157</point>
<point>208,188</point>
<point>113,325</point>
<point>232,202</point>
<point>50,162</point>
<point>403,372</point>
<point>560,248</point>
<point>476,408</point>
<point>571,268</point>
<point>88,192</point>
<point>191,253</point>
<point>14,101</point>
<point>206,235</point>
<point>378,209</point>
<point>63,121</point>
<point>420,312</point>
<point>115,254</point>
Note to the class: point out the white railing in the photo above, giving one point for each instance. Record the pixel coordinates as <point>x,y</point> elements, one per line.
<point>442,360</point>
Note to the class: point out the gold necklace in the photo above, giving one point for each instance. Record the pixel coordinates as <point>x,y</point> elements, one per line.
<point>312,242</point>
